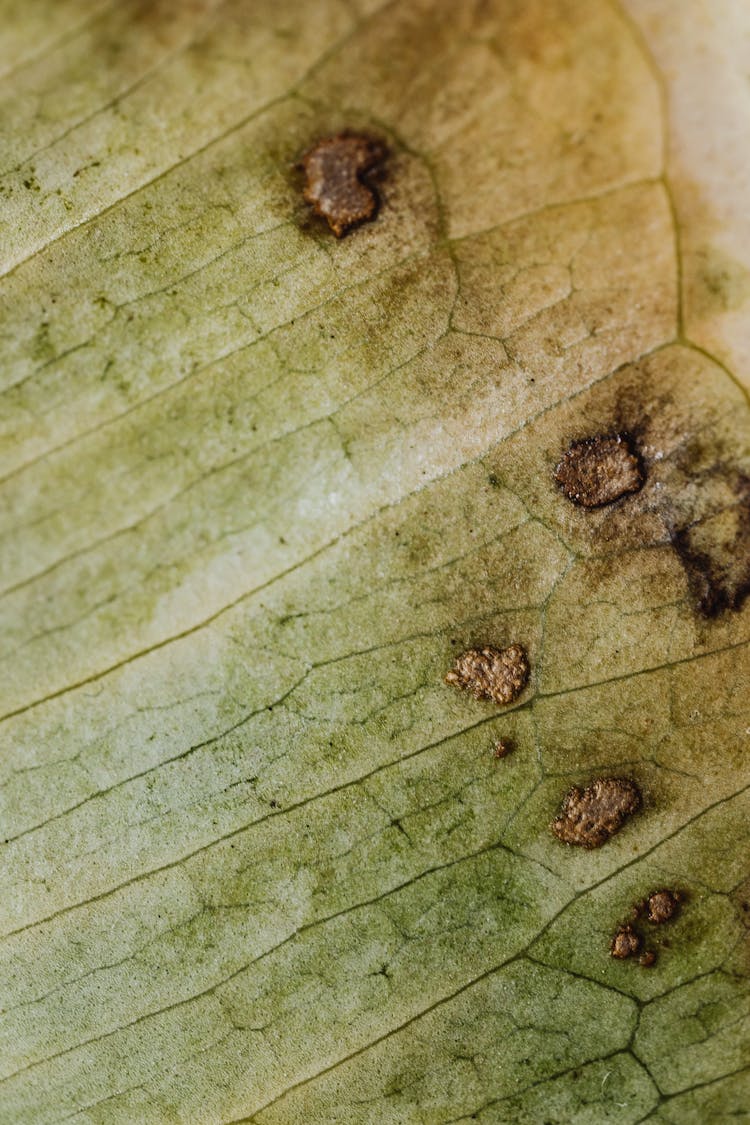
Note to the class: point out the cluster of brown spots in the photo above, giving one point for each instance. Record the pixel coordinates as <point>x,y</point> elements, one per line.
<point>336,179</point>
<point>589,817</point>
<point>502,748</point>
<point>599,470</point>
<point>659,907</point>
<point>712,540</point>
<point>625,943</point>
<point>498,674</point>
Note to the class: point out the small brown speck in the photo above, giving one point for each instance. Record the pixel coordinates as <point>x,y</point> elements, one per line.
<point>499,674</point>
<point>661,906</point>
<point>625,943</point>
<point>502,748</point>
<point>337,187</point>
<point>599,470</point>
<point>647,959</point>
<point>588,817</point>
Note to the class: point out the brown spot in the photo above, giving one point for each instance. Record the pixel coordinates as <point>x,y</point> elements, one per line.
<point>491,673</point>
<point>337,185</point>
<point>647,959</point>
<point>661,906</point>
<point>599,470</point>
<point>588,817</point>
<point>502,748</point>
<point>625,943</point>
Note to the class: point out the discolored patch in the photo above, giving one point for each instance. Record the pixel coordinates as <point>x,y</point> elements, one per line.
<point>647,959</point>
<point>599,470</point>
<point>589,817</point>
<point>337,171</point>
<point>661,906</point>
<point>625,943</point>
<point>491,673</point>
<point>714,546</point>
<point>721,283</point>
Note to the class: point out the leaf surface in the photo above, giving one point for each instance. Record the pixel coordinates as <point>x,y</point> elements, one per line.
<point>259,487</point>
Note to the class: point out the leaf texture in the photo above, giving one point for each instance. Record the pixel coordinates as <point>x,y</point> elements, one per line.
<point>259,487</point>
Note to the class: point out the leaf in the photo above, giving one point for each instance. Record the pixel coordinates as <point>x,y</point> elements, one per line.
<point>261,486</point>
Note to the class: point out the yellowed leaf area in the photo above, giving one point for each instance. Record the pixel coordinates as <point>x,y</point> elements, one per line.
<point>260,486</point>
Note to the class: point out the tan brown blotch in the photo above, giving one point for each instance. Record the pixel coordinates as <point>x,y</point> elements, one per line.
<point>647,959</point>
<point>599,470</point>
<point>589,817</point>
<point>502,748</point>
<point>498,674</point>
<point>625,943</point>
<point>338,183</point>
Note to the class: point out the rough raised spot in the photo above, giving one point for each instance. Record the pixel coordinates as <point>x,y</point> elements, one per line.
<point>661,906</point>
<point>647,959</point>
<point>336,170</point>
<point>588,817</point>
<point>502,748</point>
<point>625,943</point>
<point>491,673</point>
<point>599,470</point>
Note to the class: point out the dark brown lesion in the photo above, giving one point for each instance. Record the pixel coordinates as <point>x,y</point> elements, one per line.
<point>659,907</point>
<point>714,546</point>
<point>598,470</point>
<point>697,500</point>
<point>339,173</point>
<point>625,943</point>
<point>591,816</point>
<point>499,675</point>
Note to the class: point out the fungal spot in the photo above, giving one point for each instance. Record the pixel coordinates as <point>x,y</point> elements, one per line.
<point>661,906</point>
<point>589,817</point>
<point>338,185</point>
<point>647,959</point>
<point>599,470</point>
<point>502,748</point>
<point>626,943</point>
<point>491,673</point>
